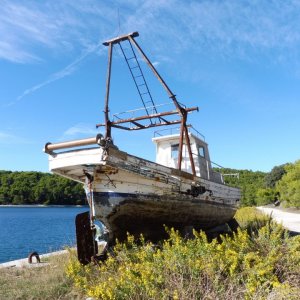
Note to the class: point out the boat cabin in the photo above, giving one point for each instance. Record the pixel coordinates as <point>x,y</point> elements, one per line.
<point>167,150</point>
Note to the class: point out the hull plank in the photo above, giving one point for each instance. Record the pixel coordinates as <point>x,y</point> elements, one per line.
<point>148,214</point>
<point>131,194</point>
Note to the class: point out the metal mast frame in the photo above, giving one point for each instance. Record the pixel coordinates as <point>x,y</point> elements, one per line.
<point>180,110</point>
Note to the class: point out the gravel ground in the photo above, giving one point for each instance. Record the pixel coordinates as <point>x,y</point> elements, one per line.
<point>20,263</point>
<point>290,219</point>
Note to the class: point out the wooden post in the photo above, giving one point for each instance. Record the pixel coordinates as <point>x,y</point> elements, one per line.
<point>187,138</point>
<point>106,107</point>
<point>180,150</point>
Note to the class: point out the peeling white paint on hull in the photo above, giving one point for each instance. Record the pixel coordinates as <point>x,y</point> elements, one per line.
<point>148,214</point>
<point>131,194</point>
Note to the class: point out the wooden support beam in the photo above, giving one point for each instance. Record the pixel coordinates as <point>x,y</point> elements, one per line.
<point>106,107</point>
<point>152,116</point>
<point>121,38</point>
<point>138,124</point>
<point>120,127</point>
<point>147,126</point>
<point>187,138</point>
<point>182,132</point>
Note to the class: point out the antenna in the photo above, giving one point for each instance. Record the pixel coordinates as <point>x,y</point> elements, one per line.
<point>119,28</point>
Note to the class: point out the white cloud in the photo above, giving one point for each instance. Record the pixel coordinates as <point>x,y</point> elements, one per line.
<point>9,52</point>
<point>68,70</point>
<point>79,130</point>
<point>230,29</point>
<point>226,27</point>
<point>7,139</point>
<point>28,27</point>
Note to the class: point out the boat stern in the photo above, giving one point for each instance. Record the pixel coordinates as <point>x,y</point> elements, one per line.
<point>77,157</point>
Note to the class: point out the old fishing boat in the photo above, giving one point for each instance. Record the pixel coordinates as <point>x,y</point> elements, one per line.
<point>131,194</point>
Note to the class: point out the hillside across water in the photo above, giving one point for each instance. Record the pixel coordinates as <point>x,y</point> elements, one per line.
<point>39,188</point>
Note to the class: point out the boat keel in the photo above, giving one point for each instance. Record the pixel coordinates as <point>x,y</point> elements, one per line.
<point>87,247</point>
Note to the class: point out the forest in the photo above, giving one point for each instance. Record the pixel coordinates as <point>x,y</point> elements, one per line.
<point>258,188</point>
<point>39,188</point>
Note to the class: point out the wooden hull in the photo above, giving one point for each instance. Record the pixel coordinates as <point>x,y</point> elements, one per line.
<point>134,195</point>
<point>149,214</point>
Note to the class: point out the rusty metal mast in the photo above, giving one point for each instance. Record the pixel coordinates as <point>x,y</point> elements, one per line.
<point>180,110</point>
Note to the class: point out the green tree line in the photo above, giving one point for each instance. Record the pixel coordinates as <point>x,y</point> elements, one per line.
<point>260,188</point>
<point>39,188</point>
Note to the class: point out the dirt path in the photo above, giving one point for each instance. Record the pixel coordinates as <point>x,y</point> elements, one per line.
<point>289,220</point>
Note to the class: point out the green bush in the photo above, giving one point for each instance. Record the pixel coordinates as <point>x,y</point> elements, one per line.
<point>241,266</point>
<point>265,196</point>
<point>289,185</point>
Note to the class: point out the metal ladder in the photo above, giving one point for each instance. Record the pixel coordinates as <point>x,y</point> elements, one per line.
<point>139,80</point>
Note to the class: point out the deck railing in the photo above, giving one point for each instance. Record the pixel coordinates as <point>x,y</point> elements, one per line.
<point>176,130</point>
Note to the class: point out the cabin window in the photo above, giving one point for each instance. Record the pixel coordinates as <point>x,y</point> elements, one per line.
<point>201,151</point>
<point>174,151</point>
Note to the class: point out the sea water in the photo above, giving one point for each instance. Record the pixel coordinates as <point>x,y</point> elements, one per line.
<point>42,229</point>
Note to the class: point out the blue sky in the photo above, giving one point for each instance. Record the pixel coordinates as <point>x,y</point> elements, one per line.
<point>239,61</point>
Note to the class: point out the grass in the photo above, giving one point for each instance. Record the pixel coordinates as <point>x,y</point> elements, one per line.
<point>260,261</point>
<point>251,219</point>
<point>47,282</point>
